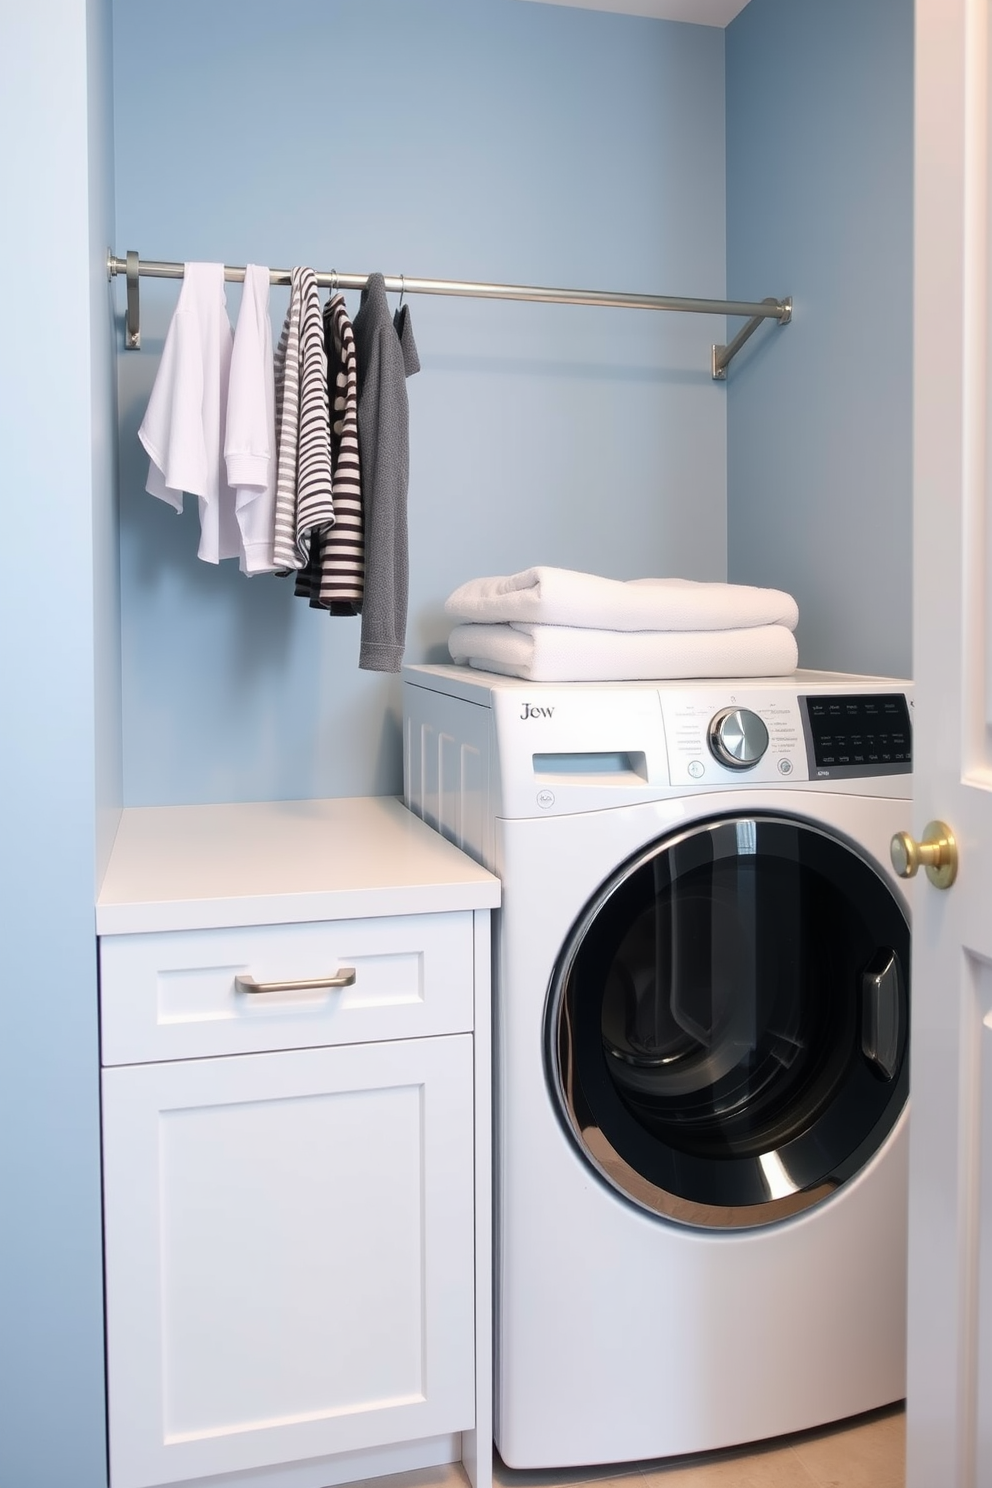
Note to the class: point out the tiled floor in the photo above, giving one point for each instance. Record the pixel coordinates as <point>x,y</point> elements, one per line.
<point>863,1452</point>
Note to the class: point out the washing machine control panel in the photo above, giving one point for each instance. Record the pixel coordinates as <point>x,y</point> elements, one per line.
<point>716,736</point>
<point>855,734</point>
<point>762,735</point>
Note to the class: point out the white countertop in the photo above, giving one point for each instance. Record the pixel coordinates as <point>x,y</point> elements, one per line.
<point>281,862</point>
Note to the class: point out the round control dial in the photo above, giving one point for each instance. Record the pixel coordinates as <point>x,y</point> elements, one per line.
<point>737,738</point>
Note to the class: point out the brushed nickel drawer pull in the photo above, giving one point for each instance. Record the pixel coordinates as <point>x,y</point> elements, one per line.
<point>343,978</point>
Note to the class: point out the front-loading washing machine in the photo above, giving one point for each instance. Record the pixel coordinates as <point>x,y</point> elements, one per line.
<point>701,1018</point>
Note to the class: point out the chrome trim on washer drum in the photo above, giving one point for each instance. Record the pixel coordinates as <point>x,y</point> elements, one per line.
<point>727,1024</point>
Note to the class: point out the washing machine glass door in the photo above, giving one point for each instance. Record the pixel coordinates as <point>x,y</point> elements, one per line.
<point>727,1024</point>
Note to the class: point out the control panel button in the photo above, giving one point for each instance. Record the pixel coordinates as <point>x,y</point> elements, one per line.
<point>737,738</point>
<point>785,766</point>
<point>696,769</point>
<point>545,799</point>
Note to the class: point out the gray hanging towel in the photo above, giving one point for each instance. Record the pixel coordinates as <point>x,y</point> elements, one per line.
<point>387,356</point>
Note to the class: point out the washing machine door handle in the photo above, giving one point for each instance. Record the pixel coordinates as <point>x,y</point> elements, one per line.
<point>881,1004</point>
<point>737,738</point>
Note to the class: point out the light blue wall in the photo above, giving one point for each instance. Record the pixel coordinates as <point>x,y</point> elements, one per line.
<point>105,475</point>
<point>490,140</point>
<point>59,748</point>
<point>819,204</point>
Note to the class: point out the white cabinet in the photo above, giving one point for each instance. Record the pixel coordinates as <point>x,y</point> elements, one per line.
<point>296,1187</point>
<point>289,1245</point>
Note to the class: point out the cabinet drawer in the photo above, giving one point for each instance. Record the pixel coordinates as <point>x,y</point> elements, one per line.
<point>175,995</point>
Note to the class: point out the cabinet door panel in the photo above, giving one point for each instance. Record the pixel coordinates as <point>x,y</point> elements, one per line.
<point>174,995</point>
<point>289,1255</point>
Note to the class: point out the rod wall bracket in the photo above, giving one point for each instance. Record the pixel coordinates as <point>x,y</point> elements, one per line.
<point>722,356</point>
<point>132,324</point>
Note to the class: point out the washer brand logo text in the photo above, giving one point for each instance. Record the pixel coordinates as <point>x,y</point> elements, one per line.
<point>530,712</point>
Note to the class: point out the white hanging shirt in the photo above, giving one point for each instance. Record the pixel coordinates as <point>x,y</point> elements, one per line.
<point>250,438</point>
<point>183,426</point>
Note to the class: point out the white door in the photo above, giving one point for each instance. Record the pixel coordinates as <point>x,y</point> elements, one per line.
<point>949,1421</point>
<point>289,1255</point>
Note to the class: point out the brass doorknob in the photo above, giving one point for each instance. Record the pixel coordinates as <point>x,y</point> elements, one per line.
<point>937,853</point>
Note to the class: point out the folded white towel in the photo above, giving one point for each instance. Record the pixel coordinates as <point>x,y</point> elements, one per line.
<point>561,596</point>
<point>562,653</point>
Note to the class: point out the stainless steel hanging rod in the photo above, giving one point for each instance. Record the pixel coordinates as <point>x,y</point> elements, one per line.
<point>771,309</point>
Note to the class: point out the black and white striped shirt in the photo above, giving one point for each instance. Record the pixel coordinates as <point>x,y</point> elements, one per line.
<point>304,497</point>
<point>287,390</point>
<point>334,578</point>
